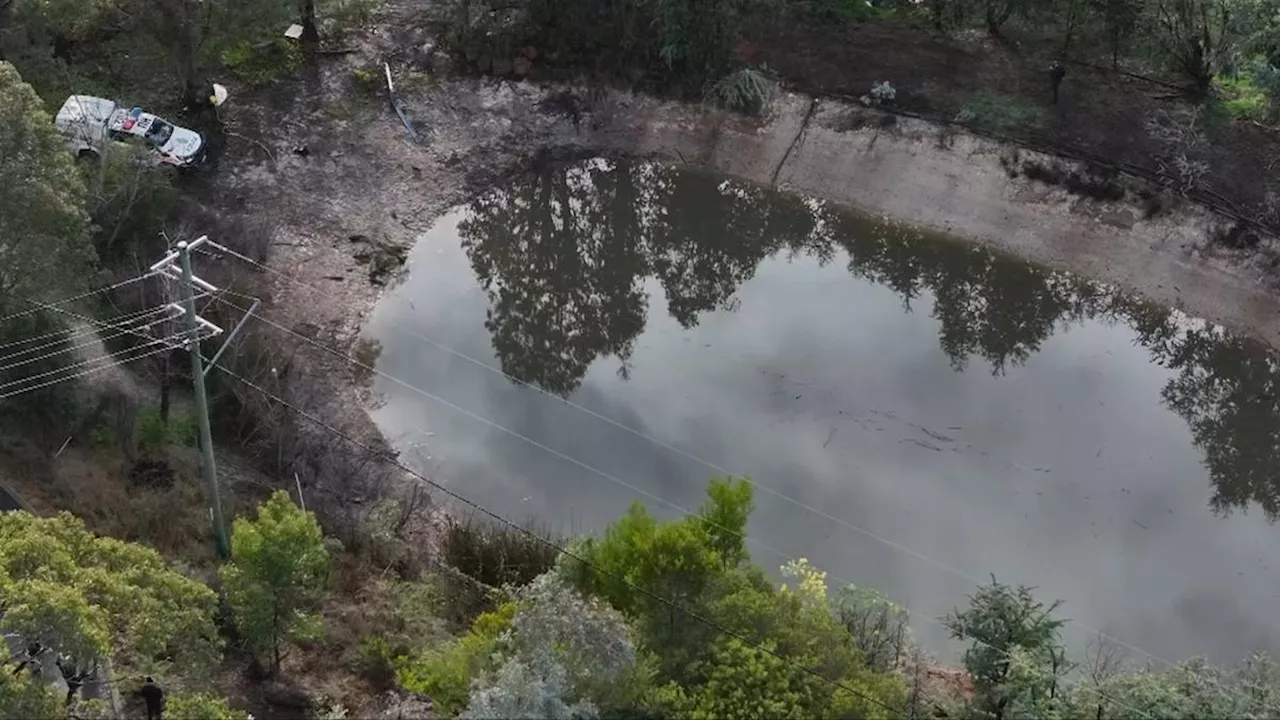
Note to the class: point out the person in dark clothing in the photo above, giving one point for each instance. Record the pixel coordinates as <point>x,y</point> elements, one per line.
<point>154,698</point>
<point>31,659</point>
<point>1056,73</point>
<point>73,676</point>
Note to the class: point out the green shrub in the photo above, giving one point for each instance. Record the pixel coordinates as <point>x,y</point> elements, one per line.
<point>154,434</point>
<point>750,660</point>
<point>744,91</point>
<point>277,577</point>
<point>376,659</point>
<point>445,673</point>
<point>202,706</point>
<point>102,436</point>
<point>1267,78</point>
<point>1244,96</point>
<point>494,556</point>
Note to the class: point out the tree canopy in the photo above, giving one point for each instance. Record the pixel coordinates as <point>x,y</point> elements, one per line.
<point>1015,656</point>
<point>44,232</point>
<point>22,696</point>
<point>92,599</point>
<point>277,575</point>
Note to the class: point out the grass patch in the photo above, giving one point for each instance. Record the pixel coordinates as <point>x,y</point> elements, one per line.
<point>259,64</point>
<point>350,109</point>
<point>367,80</point>
<point>384,620</point>
<point>486,556</point>
<point>1242,97</point>
<point>1001,112</point>
<point>339,17</point>
<point>155,434</point>
<point>413,82</point>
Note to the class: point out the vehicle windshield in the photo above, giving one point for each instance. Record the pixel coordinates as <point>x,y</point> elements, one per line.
<point>159,132</point>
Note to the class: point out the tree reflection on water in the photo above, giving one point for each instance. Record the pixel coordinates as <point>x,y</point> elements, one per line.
<point>565,255</point>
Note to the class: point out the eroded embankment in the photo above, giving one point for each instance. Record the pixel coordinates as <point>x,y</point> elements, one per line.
<point>950,181</point>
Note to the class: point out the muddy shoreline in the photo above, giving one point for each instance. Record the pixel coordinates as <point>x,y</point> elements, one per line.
<point>333,186</point>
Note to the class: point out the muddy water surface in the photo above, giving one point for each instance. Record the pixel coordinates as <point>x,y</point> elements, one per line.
<point>917,413</point>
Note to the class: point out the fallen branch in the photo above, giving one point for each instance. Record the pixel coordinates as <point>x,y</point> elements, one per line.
<point>264,148</point>
<point>395,103</point>
<point>1182,90</point>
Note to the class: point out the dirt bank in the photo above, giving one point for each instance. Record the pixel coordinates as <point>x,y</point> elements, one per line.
<point>370,181</point>
<point>1104,113</point>
<point>951,181</point>
<point>337,178</point>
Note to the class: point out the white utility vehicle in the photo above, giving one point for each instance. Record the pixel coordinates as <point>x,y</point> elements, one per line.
<point>88,122</point>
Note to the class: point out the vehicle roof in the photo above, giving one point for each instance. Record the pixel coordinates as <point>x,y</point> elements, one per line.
<point>81,108</point>
<point>140,127</point>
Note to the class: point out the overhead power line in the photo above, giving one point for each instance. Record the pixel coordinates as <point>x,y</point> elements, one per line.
<point>82,296</point>
<point>568,458</point>
<point>844,523</point>
<point>116,361</point>
<point>110,325</point>
<point>673,604</point>
<point>64,348</point>
<point>63,333</point>
<point>794,501</point>
<point>82,363</point>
